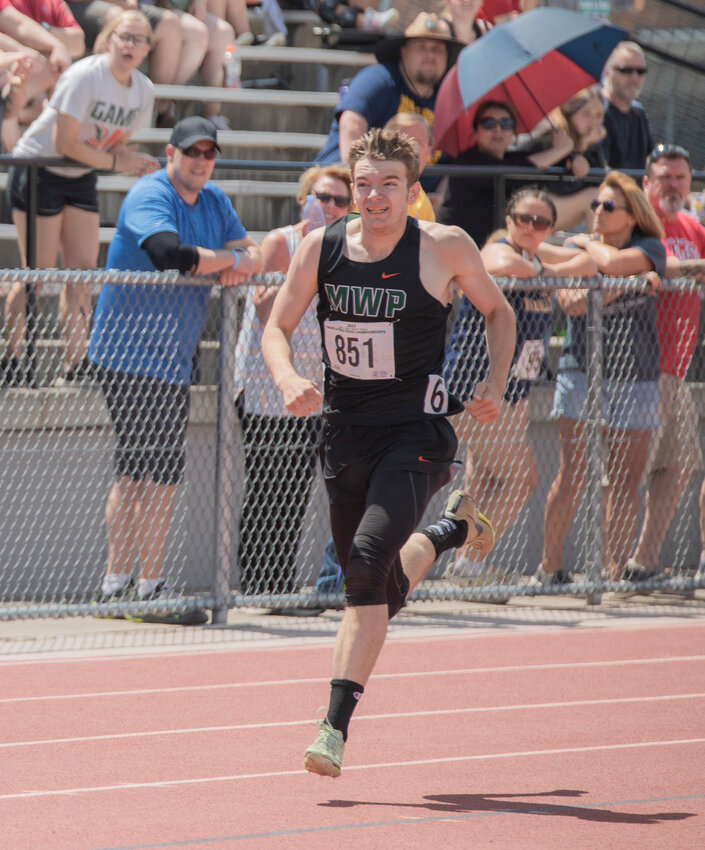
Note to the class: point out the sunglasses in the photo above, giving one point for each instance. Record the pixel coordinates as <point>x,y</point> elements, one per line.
<point>338,200</point>
<point>629,70</point>
<point>668,152</point>
<point>493,123</point>
<point>128,38</point>
<point>538,222</point>
<point>609,206</point>
<point>195,153</point>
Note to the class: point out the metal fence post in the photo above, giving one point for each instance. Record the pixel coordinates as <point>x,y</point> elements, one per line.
<point>593,445</point>
<point>225,461</point>
<point>30,288</point>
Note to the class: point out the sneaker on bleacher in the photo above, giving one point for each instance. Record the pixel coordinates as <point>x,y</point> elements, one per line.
<point>374,20</point>
<point>278,39</point>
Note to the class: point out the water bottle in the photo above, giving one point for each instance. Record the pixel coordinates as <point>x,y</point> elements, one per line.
<point>232,68</point>
<point>313,214</point>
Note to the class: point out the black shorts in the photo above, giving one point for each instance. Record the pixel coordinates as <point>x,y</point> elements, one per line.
<point>150,418</point>
<point>53,191</point>
<point>352,454</point>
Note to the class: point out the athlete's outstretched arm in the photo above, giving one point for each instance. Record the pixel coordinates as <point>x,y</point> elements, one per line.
<point>301,396</point>
<point>472,279</point>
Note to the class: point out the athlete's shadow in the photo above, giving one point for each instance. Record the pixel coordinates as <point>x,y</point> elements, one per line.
<point>469,804</point>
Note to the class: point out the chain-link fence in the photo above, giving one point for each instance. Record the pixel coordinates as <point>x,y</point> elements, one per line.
<point>93,473</point>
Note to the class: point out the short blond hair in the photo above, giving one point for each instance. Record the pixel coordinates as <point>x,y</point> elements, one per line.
<point>409,119</point>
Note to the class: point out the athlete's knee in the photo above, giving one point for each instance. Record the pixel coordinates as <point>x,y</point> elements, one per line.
<point>365,578</point>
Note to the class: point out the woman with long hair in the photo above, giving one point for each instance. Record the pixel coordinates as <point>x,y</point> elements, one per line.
<point>626,241</point>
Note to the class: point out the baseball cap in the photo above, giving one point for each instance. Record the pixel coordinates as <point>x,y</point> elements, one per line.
<point>194,129</point>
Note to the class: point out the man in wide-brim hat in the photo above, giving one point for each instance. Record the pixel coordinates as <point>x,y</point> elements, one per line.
<point>412,65</point>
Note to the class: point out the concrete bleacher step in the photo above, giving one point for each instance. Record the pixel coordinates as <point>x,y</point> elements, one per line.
<point>266,110</point>
<point>303,68</point>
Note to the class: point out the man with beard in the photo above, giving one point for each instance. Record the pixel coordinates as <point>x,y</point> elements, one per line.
<point>677,454</point>
<point>411,68</point>
<point>628,139</point>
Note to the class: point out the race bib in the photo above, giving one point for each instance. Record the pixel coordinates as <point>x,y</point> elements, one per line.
<point>363,351</point>
<point>436,398</point>
<point>528,363</point>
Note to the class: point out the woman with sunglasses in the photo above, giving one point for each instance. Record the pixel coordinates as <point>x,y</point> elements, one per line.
<point>469,201</point>
<point>500,465</point>
<point>280,450</point>
<point>626,241</point>
<point>96,106</point>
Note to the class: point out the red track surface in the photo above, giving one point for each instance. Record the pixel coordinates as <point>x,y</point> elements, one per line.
<point>580,739</point>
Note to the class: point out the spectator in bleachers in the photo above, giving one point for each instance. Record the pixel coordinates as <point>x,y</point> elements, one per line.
<point>501,469</point>
<point>406,80</point>
<point>628,141</point>
<point>415,127</point>
<point>355,17</point>
<point>626,241</point>
<point>179,43</point>
<point>220,35</point>
<point>464,22</point>
<point>143,342</point>
<point>205,36</point>
<point>97,104</point>
<point>235,13</point>
<point>469,201</point>
<point>280,450</point>
<point>581,117</point>
<point>21,33</point>
<point>678,456</point>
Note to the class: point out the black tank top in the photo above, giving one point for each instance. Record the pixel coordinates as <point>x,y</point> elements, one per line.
<point>383,335</point>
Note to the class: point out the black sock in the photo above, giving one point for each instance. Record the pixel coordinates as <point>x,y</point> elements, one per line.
<point>446,534</point>
<point>344,696</point>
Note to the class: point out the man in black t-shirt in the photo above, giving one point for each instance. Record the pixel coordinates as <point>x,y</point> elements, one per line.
<point>385,284</point>
<point>628,141</point>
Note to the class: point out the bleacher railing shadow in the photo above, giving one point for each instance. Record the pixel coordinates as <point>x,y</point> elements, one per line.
<point>56,471</point>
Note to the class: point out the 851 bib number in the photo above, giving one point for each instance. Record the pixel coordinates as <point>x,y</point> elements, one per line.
<point>363,351</point>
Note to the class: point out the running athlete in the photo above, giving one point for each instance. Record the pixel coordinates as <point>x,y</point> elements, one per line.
<point>385,287</point>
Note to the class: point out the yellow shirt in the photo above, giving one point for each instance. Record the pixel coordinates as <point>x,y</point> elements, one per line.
<point>422,208</point>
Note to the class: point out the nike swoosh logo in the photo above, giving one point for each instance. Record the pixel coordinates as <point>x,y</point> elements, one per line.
<point>393,274</point>
<point>424,460</point>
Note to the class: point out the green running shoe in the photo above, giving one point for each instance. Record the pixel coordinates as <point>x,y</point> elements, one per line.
<point>325,755</point>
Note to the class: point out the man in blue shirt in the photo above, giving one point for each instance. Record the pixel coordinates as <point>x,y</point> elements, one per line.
<point>407,80</point>
<point>143,342</point>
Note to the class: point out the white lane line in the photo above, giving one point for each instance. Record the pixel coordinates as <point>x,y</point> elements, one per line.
<point>170,783</point>
<point>514,668</point>
<point>240,727</point>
